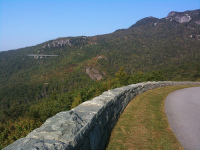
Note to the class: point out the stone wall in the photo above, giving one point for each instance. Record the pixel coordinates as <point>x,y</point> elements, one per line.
<point>87,126</point>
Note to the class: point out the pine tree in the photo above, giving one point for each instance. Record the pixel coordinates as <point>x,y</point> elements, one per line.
<point>77,101</point>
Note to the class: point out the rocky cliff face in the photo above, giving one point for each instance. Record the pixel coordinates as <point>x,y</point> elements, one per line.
<point>95,74</point>
<point>186,16</point>
<point>60,42</point>
<point>94,69</point>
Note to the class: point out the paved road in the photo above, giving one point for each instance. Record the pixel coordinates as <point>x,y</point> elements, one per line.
<point>182,108</point>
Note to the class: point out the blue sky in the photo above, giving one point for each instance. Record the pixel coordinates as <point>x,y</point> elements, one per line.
<point>30,22</point>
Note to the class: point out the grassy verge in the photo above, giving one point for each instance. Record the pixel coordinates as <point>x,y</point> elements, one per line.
<point>143,124</point>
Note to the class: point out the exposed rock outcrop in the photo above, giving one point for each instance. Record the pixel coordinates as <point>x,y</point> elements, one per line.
<point>70,41</point>
<point>186,16</point>
<point>197,22</point>
<point>178,17</point>
<point>58,42</point>
<point>94,73</point>
<point>93,68</point>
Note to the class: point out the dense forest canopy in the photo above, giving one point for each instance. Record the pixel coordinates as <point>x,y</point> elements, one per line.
<point>152,49</point>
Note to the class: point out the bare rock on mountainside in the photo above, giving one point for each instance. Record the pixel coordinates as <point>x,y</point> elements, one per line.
<point>178,17</point>
<point>58,42</point>
<point>182,17</point>
<point>66,41</point>
<point>94,73</point>
<point>197,22</point>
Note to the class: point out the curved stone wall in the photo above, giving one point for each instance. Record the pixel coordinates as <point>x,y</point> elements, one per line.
<point>87,126</point>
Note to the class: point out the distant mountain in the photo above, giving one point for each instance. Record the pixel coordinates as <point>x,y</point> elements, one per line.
<point>170,45</point>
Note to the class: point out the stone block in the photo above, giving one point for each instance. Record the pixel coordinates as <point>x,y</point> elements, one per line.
<point>86,145</point>
<point>104,141</point>
<point>95,137</point>
<point>103,121</point>
<point>117,92</point>
<point>36,144</point>
<point>61,127</point>
<point>120,99</point>
<point>106,98</point>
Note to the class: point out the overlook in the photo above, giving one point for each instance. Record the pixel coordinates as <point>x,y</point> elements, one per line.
<point>77,94</point>
<point>88,125</point>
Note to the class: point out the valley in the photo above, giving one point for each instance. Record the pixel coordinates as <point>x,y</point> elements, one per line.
<point>62,73</point>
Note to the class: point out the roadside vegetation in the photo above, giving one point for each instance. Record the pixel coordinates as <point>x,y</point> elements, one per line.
<point>143,124</point>
<point>20,120</point>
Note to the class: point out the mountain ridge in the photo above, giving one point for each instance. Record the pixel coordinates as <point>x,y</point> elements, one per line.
<point>181,17</point>
<point>169,44</point>
<point>151,49</point>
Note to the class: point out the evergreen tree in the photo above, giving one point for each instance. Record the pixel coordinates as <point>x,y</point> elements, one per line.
<point>77,101</point>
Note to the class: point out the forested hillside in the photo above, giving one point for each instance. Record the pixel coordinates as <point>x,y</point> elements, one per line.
<point>151,49</point>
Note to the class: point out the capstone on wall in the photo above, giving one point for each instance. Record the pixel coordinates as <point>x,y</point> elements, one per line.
<point>88,126</point>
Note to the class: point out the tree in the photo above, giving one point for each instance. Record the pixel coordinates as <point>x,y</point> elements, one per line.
<point>156,76</point>
<point>77,101</point>
<point>121,76</point>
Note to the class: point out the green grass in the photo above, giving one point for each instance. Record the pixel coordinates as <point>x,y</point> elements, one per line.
<point>143,124</point>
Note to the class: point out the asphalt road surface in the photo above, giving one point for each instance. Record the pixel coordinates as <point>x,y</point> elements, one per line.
<point>182,108</point>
